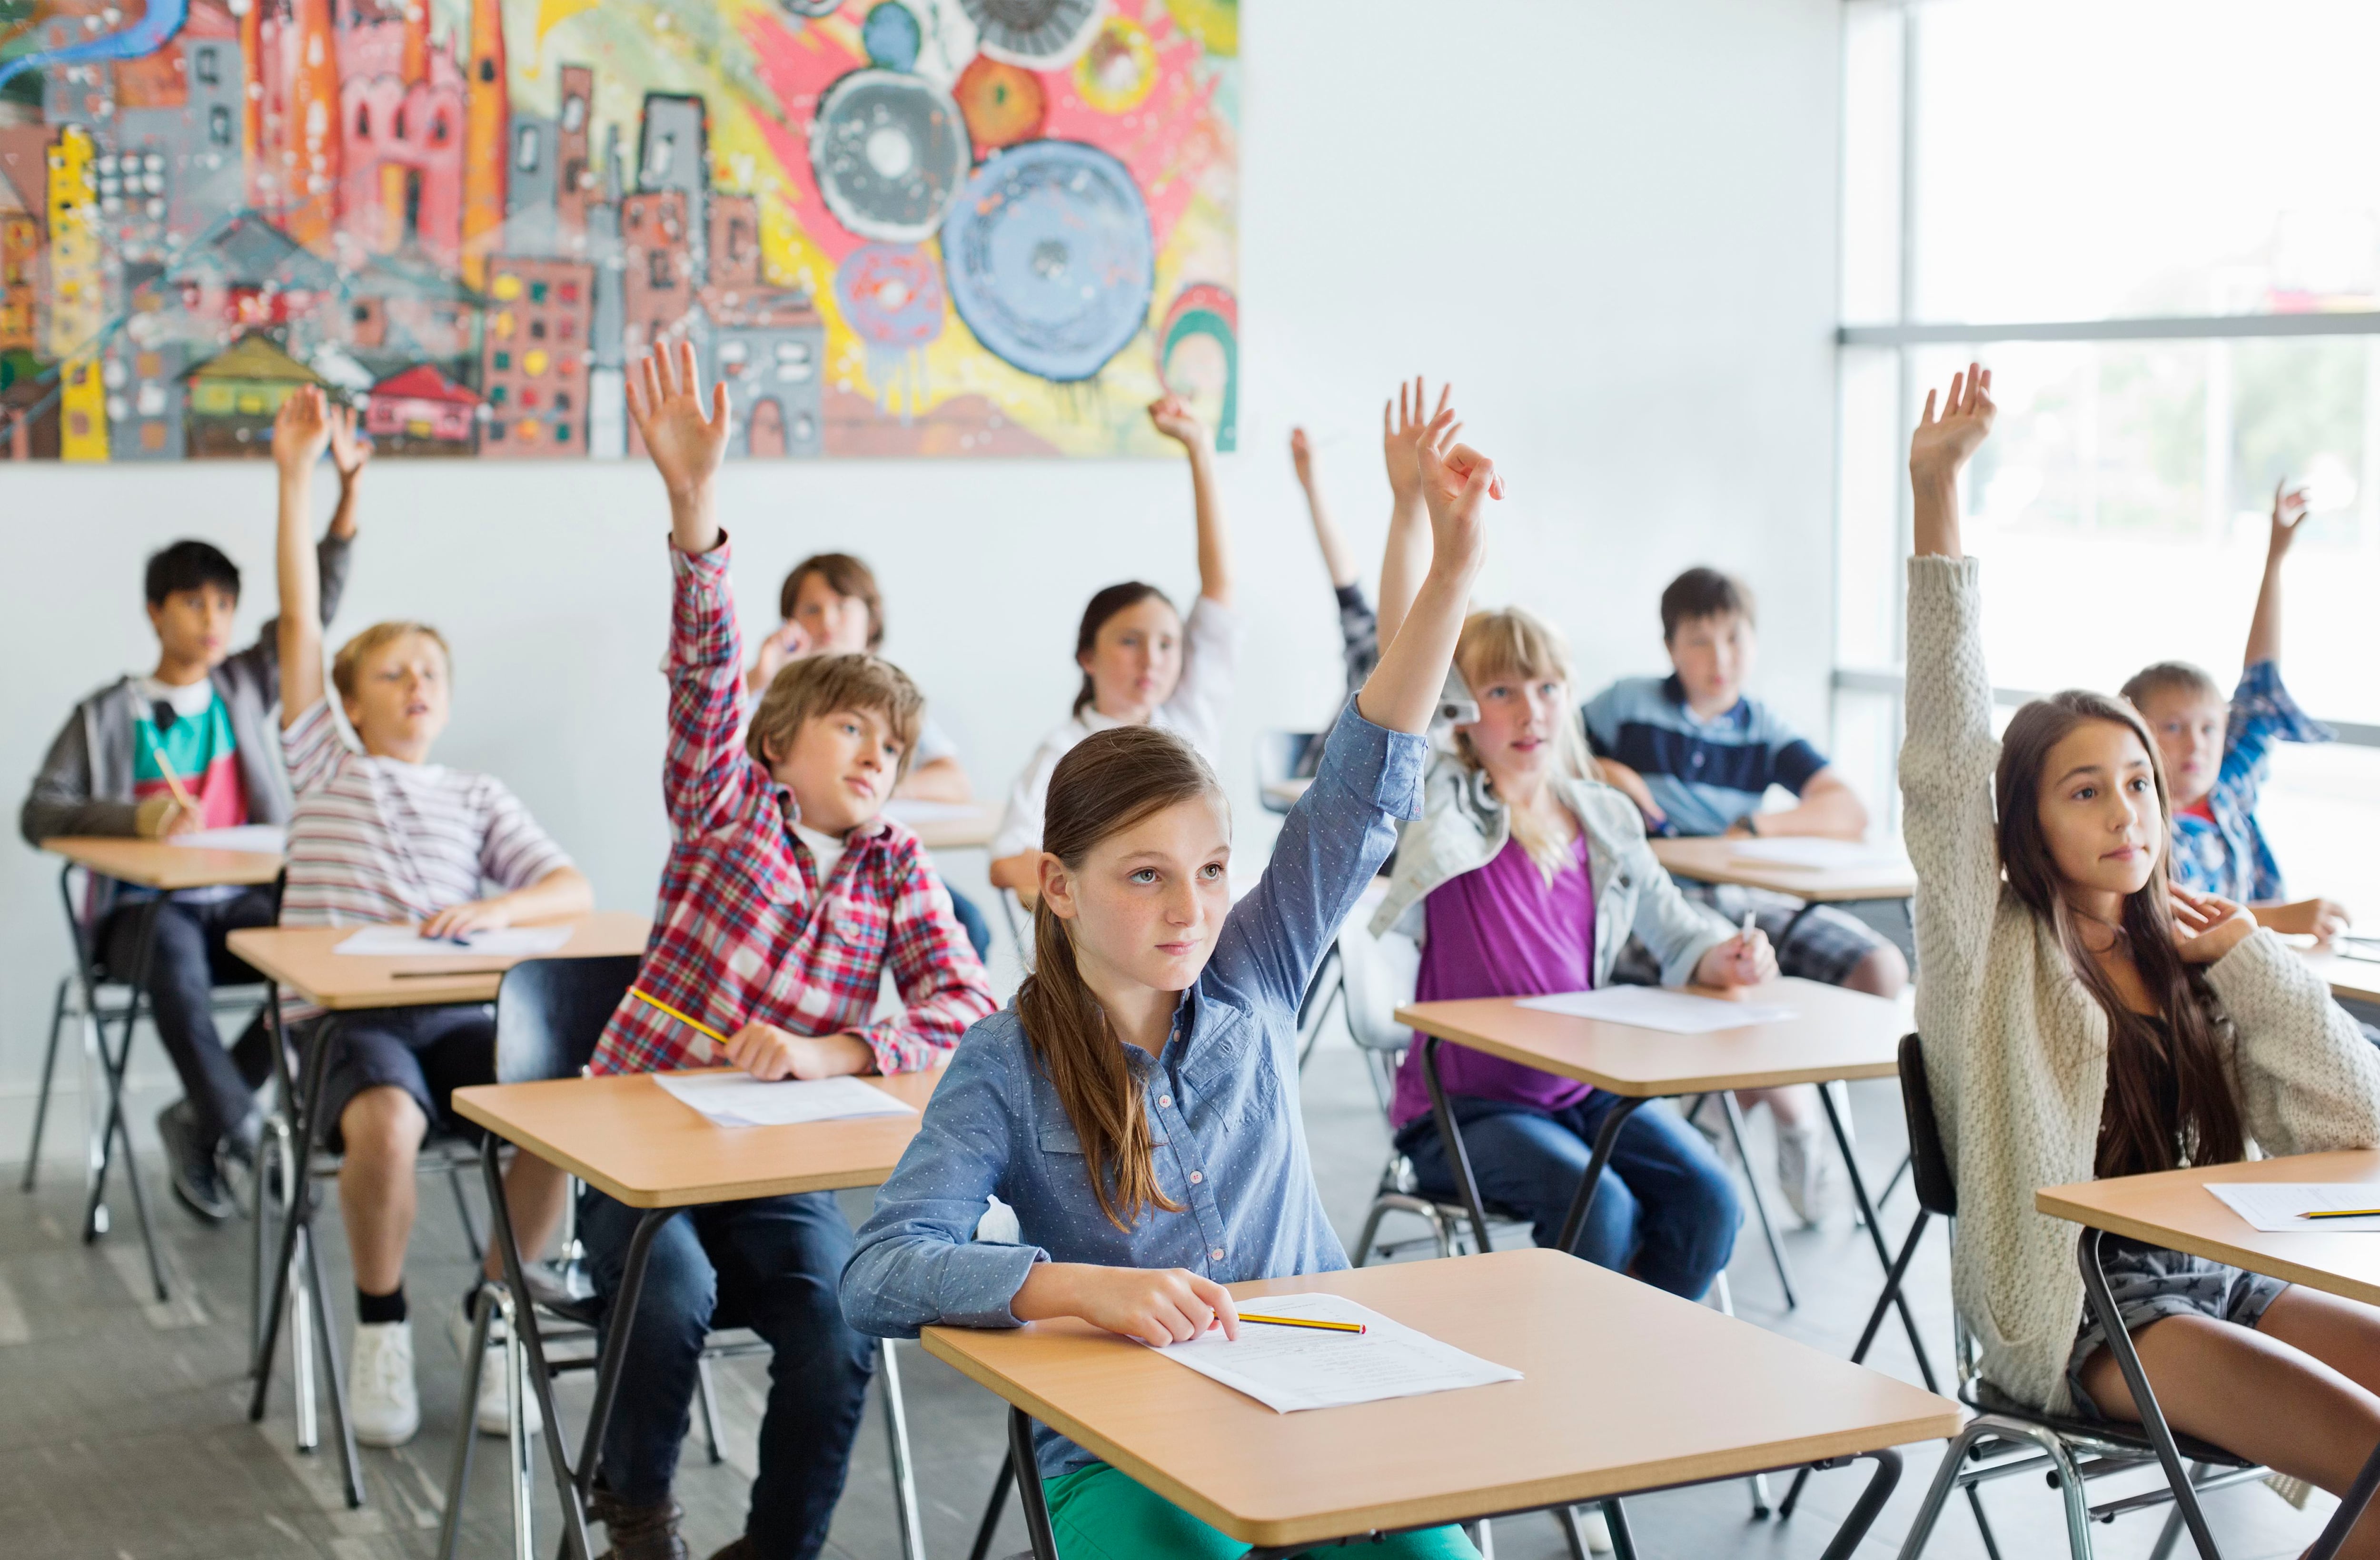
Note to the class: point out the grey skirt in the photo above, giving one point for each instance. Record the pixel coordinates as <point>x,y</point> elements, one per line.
<point>2149,1284</point>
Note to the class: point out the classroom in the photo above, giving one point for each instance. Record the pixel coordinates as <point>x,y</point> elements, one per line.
<point>1552,779</point>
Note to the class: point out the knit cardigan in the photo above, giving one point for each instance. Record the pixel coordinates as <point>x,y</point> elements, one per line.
<point>2016,1047</point>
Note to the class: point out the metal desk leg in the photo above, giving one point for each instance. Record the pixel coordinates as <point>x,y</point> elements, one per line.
<point>1605,1137</point>
<point>458,1476</point>
<point>1615,1522</point>
<point>1892,1281</point>
<point>1028,1485</point>
<point>1875,1237</point>
<point>1449,1133</point>
<point>117,1131</point>
<point>905,1477</point>
<point>2159,1434</point>
<point>300,1210</point>
<point>1759,1199</point>
<point>988,1529</point>
<point>1871,1502</point>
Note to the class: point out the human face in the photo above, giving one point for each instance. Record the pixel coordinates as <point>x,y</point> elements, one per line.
<point>193,631</point>
<point>841,767</point>
<point>1713,657</point>
<point>2099,811</point>
<point>1148,901</point>
<point>401,701</point>
<point>2189,730</point>
<point>836,625</point>
<point>1135,661</point>
<point>1520,718</point>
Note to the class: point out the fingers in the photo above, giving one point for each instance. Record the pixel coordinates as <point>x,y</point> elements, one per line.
<point>1925,418</point>
<point>1217,1301</point>
<point>1443,391</point>
<point>686,376</point>
<point>717,399</point>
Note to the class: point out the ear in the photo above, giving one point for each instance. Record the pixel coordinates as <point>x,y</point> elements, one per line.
<point>1058,889</point>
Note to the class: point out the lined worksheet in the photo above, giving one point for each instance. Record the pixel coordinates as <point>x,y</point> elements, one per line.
<point>2279,1207</point>
<point>1650,1007</point>
<point>496,942</point>
<point>738,1099</point>
<point>1287,1369</point>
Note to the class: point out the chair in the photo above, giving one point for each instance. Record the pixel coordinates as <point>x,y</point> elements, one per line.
<point>2007,1437</point>
<point>1281,756</point>
<point>550,1014</point>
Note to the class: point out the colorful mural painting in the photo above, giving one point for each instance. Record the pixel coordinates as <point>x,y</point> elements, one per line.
<point>893,227</point>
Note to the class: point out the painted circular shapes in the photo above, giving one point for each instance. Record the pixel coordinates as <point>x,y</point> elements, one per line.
<point>1115,72</point>
<point>1204,311</point>
<point>889,151</point>
<point>892,36</point>
<point>1049,258</point>
<point>811,9</point>
<point>1003,104</point>
<point>1038,34</point>
<point>892,295</point>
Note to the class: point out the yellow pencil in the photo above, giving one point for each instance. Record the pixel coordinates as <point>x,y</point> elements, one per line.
<point>691,1023</point>
<point>2342,1214</point>
<point>173,781</point>
<point>1302,1322</point>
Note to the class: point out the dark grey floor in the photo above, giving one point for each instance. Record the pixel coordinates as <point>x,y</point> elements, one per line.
<point>123,1427</point>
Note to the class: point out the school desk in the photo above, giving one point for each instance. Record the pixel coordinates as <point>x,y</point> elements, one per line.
<point>1626,1390</point>
<point>1834,1035</point>
<point>1718,860</point>
<point>947,825</point>
<point>305,960</point>
<point>146,863</point>
<point>2175,1210</point>
<point>633,1140</point>
<point>2351,979</point>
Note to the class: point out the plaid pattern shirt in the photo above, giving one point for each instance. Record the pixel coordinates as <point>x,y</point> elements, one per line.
<point>743,931</point>
<point>2225,852</point>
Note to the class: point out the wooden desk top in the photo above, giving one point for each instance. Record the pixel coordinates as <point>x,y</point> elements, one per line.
<point>631,1139</point>
<point>2174,1209</point>
<point>2358,980</point>
<point>302,959</point>
<point>968,830</point>
<point>153,863</point>
<point>1833,1034</point>
<point>1715,861</point>
<point>1626,1388</point>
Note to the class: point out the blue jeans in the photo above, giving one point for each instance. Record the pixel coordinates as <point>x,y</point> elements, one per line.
<point>1666,1205</point>
<point>772,1265</point>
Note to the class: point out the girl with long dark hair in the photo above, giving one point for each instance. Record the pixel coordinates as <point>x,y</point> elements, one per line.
<point>2085,1017</point>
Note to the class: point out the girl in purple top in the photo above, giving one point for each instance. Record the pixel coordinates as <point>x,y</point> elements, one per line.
<point>1526,876</point>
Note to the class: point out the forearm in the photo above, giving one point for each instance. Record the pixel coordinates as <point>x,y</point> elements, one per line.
<point>300,625</point>
<point>343,519</point>
<point>1402,564</point>
<point>1214,544</point>
<point>2264,628</point>
<point>944,780</point>
<point>1402,693</point>
<point>1052,1289</point>
<point>1937,516</point>
<point>694,521</point>
<point>1833,811</point>
<point>565,891</point>
<point>1336,558</point>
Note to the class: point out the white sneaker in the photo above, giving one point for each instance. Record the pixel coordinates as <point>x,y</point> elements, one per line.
<point>1805,1173</point>
<point>1594,1529</point>
<point>381,1401</point>
<point>491,1410</point>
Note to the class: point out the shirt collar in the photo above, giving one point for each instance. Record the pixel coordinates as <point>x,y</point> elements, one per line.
<point>1673,688</point>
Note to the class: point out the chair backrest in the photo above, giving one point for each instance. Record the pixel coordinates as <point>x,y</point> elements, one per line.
<point>1929,1167</point>
<point>550,1014</point>
<point>1380,973</point>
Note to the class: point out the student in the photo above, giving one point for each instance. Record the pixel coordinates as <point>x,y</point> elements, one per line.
<point>1359,626</point>
<point>786,898</point>
<point>381,835</point>
<point>1137,1107</point>
<point>1699,754</point>
<point>1524,875</point>
<point>2216,757</point>
<point>831,605</point>
<point>2084,1017</point>
<point>1141,664</point>
<point>200,720</point>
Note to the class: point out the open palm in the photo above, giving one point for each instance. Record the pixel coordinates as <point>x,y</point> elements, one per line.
<point>1403,429</point>
<point>1943,443</point>
<point>685,445</point>
<point>1456,480</point>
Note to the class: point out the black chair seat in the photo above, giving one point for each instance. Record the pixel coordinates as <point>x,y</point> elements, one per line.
<point>1983,1398</point>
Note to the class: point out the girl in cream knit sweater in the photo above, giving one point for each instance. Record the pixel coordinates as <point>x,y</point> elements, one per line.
<point>2082,1018</point>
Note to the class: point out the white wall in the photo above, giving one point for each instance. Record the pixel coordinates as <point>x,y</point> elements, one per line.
<point>1611,223</point>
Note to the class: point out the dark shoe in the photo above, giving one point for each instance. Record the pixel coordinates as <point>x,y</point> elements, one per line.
<point>198,1182</point>
<point>239,1143</point>
<point>638,1532</point>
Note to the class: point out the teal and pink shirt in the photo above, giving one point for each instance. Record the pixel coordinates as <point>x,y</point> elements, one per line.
<point>190,730</point>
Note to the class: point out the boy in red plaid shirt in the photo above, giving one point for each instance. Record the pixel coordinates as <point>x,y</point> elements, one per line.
<point>786,898</point>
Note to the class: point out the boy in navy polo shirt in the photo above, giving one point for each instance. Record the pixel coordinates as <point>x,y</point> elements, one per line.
<point>1699,755</point>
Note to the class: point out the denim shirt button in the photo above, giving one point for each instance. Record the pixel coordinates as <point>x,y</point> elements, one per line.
<point>1195,1177</point>
<point>1165,1102</point>
<point>1217,1253</point>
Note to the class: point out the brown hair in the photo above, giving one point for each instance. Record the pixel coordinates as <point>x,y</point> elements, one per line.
<point>347,666</point>
<point>2170,677</point>
<point>816,685</point>
<point>1514,643</point>
<point>1704,593</point>
<point>2141,1130</point>
<point>1109,781</point>
<point>1101,606</point>
<point>843,575</point>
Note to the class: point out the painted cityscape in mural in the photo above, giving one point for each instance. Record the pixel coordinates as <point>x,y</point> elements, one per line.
<point>892,227</point>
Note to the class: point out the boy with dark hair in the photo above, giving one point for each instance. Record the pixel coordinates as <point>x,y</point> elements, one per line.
<point>198,720</point>
<point>786,899</point>
<point>1699,755</point>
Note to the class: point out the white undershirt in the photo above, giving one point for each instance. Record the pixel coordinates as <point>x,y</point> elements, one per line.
<point>825,850</point>
<point>187,700</point>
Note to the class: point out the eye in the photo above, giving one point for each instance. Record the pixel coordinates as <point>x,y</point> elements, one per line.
<point>2086,793</point>
<point>1145,874</point>
<point>1212,871</point>
<point>2141,783</point>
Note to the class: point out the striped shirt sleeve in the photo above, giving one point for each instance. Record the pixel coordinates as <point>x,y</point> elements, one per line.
<point>514,852</point>
<point>311,747</point>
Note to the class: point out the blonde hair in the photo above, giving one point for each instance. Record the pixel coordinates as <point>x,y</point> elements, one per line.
<point>816,685</point>
<point>347,666</point>
<point>1513,644</point>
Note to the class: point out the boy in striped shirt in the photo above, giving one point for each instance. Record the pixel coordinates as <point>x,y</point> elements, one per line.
<point>786,899</point>
<point>379,836</point>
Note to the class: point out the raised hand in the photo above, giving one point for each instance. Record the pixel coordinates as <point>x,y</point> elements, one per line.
<point>2289,514</point>
<point>1403,429</point>
<point>350,448</point>
<point>1301,455</point>
<point>2206,927</point>
<point>1455,482</point>
<point>1173,418</point>
<point>301,431</point>
<point>685,445</point>
<point>1942,445</point>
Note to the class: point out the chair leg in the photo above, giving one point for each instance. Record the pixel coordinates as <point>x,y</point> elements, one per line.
<point>1623,1541</point>
<point>1990,1427</point>
<point>905,1475</point>
<point>1363,1253</point>
<point>458,1477</point>
<point>1759,1200</point>
<point>49,1069</point>
<point>471,1221</point>
<point>1575,1542</point>
<point>706,1395</point>
<point>988,1529</point>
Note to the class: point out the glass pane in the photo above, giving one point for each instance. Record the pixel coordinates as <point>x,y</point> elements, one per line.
<point>1866,745</point>
<point>2321,812</point>
<point>2120,508</point>
<point>2105,159</point>
<point>1872,31</point>
<point>1869,482</point>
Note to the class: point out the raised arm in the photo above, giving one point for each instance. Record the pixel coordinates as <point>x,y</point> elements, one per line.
<point>300,432</point>
<point>686,446</point>
<point>1336,557</point>
<point>1403,428</point>
<point>1456,483</point>
<point>2264,628</point>
<point>1174,419</point>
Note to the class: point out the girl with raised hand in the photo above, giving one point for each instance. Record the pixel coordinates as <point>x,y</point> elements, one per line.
<point>1137,1107</point>
<point>2085,1017</point>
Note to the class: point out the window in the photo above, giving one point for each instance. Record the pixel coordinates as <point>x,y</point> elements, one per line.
<point>219,125</point>
<point>363,121</point>
<point>2179,296</point>
<point>524,149</point>
<point>209,64</point>
<point>657,269</point>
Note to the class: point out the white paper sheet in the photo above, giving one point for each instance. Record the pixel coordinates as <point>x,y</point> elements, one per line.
<point>1650,1007</point>
<point>738,1099</point>
<point>2274,1207</point>
<point>502,942</point>
<point>914,812</point>
<point>1287,1369</point>
<point>1813,851</point>
<point>262,839</point>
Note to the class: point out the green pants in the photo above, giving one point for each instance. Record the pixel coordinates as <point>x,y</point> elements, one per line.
<point>1100,1513</point>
